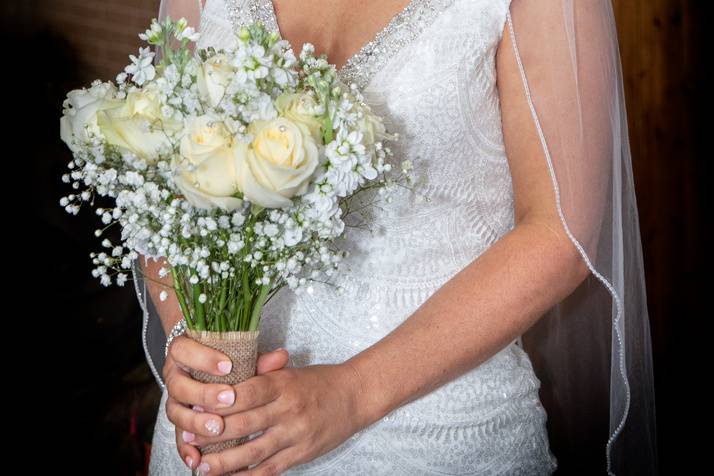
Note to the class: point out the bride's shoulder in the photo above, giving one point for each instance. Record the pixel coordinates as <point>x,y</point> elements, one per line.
<point>481,18</point>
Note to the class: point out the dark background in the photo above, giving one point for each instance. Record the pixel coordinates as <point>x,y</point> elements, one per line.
<point>96,398</point>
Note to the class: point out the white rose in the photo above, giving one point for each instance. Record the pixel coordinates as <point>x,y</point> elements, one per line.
<point>80,112</point>
<point>301,109</point>
<point>213,78</point>
<point>205,168</point>
<point>138,125</point>
<point>372,128</point>
<point>278,164</point>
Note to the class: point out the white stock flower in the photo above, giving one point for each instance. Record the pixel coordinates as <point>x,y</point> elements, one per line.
<point>142,68</point>
<point>189,33</point>
<point>153,33</point>
<point>252,62</point>
<point>350,162</point>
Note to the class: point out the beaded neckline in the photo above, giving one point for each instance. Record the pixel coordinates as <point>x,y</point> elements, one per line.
<point>401,30</point>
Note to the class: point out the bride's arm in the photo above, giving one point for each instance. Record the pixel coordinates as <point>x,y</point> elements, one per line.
<point>495,298</point>
<point>169,310</point>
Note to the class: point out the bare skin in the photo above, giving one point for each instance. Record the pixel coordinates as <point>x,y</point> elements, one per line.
<point>305,412</point>
<point>339,30</point>
<point>169,310</point>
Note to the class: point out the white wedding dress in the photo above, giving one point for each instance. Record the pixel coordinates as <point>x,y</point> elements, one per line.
<point>431,74</point>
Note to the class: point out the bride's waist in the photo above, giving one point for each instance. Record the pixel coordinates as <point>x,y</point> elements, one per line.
<point>505,379</point>
<point>331,328</point>
<point>501,388</point>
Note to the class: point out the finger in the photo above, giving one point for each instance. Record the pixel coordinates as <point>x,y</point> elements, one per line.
<point>183,388</point>
<point>193,422</point>
<point>267,362</point>
<point>190,455</point>
<point>254,392</point>
<point>191,353</point>
<point>249,453</point>
<point>276,464</point>
<point>211,396</point>
<point>241,424</point>
<point>170,366</point>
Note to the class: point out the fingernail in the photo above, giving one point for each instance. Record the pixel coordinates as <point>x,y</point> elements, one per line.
<point>280,348</point>
<point>204,468</point>
<point>199,408</point>
<point>189,462</point>
<point>188,436</point>
<point>213,426</point>
<point>227,397</point>
<point>224,366</point>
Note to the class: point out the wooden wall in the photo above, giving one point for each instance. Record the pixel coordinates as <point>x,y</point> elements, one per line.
<point>102,33</point>
<point>662,50</point>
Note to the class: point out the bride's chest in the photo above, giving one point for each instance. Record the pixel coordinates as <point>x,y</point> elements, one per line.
<point>431,76</point>
<point>427,39</point>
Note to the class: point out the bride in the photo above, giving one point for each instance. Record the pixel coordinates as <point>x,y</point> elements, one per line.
<point>523,236</point>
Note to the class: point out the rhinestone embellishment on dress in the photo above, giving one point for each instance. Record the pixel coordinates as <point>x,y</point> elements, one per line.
<point>401,30</point>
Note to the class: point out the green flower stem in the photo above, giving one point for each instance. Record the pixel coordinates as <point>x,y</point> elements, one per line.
<point>198,305</point>
<point>232,312</point>
<point>181,297</point>
<point>236,311</point>
<point>255,317</point>
<point>247,298</point>
<point>222,304</point>
<point>328,131</point>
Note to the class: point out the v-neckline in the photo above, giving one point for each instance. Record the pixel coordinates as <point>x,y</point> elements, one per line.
<point>361,68</point>
<point>362,49</point>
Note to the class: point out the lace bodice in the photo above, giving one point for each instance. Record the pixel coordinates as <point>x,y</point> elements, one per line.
<point>431,74</point>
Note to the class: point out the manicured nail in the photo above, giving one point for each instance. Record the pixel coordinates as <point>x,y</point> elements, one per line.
<point>213,426</point>
<point>224,366</point>
<point>227,397</point>
<point>198,408</point>
<point>203,468</point>
<point>280,348</point>
<point>188,436</point>
<point>189,462</point>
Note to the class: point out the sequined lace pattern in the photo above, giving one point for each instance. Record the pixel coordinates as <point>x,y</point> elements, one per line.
<point>431,73</point>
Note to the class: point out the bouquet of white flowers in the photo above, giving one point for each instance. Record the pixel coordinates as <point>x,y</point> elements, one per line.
<point>235,165</point>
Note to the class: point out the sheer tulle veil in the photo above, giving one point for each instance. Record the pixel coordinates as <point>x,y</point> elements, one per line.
<point>592,351</point>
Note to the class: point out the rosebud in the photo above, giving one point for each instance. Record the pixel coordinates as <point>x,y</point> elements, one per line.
<point>181,25</point>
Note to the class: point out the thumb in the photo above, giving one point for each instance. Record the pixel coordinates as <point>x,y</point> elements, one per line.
<point>270,361</point>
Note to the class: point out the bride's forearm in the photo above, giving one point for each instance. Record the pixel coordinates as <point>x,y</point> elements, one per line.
<point>469,319</point>
<point>169,309</point>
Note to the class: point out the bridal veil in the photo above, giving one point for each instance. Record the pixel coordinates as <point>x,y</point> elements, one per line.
<point>591,351</point>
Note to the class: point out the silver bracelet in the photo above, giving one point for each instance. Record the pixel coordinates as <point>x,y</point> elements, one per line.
<point>177,330</point>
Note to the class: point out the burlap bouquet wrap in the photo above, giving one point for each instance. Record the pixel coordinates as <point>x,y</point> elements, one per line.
<point>242,348</point>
